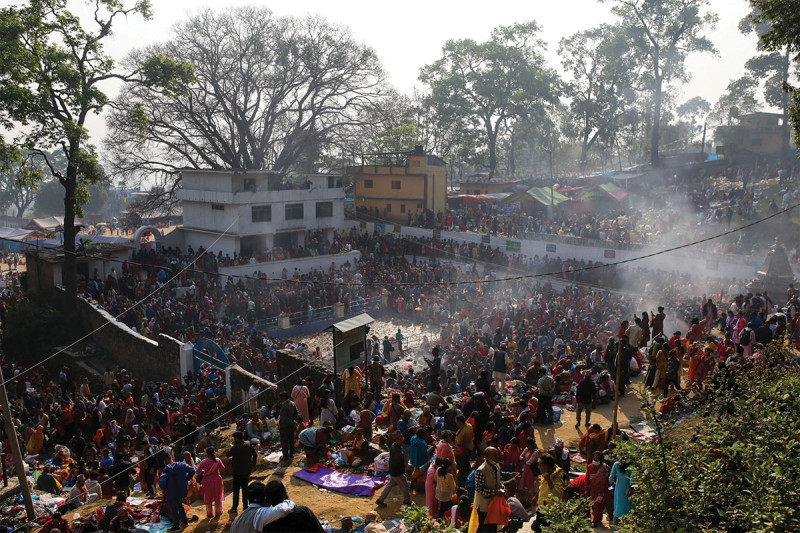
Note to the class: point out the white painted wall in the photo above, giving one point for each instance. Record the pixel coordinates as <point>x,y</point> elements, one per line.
<point>273,269</point>
<point>686,260</point>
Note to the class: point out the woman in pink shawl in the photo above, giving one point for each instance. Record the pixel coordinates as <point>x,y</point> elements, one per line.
<point>300,396</point>
<point>444,450</point>
<point>211,470</point>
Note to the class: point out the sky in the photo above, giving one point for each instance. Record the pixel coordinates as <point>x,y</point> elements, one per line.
<point>407,35</point>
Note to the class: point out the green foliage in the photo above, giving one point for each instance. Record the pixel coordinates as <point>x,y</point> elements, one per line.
<point>418,521</point>
<point>777,24</point>
<point>664,33</point>
<point>32,328</point>
<point>736,469</point>
<point>167,73</point>
<point>491,83</point>
<point>568,517</point>
<point>399,139</point>
<point>602,70</point>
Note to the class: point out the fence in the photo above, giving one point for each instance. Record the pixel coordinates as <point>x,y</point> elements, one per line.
<point>357,306</point>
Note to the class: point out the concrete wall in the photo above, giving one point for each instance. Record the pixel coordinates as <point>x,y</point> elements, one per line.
<point>238,382</point>
<point>293,365</point>
<point>687,260</point>
<point>144,357</point>
<point>274,269</point>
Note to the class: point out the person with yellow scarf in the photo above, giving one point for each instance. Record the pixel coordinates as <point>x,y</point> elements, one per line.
<point>36,441</point>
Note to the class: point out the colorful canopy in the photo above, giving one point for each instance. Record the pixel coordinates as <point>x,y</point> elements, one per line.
<point>543,195</point>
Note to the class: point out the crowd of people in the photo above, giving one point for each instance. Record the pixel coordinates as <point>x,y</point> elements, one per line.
<point>462,425</point>
<point>458,424</point>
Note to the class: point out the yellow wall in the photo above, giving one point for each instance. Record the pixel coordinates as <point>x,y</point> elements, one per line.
<point>412,192</point>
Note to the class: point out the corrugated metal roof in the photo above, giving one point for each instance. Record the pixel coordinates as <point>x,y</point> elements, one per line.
<point>352,323</point>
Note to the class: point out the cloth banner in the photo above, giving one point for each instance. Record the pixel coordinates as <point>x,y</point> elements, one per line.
<point>354,484</point>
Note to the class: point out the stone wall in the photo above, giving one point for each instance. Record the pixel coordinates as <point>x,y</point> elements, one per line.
<point>238,383</point>
<point>293,365</point>
<point>146,358</point>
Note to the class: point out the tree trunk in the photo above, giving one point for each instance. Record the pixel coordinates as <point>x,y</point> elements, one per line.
<point>492,137</point>
<point>785,134</point>
<point>70,272</point>
<point>655,137</point>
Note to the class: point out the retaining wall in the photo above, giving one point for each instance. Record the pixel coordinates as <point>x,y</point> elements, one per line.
<point>144,357</point>
<point>238,383</point>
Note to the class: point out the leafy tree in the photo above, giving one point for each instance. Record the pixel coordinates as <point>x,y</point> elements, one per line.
<point>50,198</point>
<point>781,16</point>
<point>734,467</point>
<point>19,181</point>
<point>774,67</point>
<point>399,139</point>
<point>267,90</point>
<point>489,83</point>
<point>664,33</point>
<point>694,110</point>
<point>602,73</point>
<point>51,69</point>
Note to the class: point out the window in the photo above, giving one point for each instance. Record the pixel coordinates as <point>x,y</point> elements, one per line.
<point>294,211</point>
<point>217,207</point>
<point>402,208</point>
<point>250,184</point>
<point>388,208</point>
<point>367,184</point>
<point>419,206</point>
<point>324,209</point>
<point>415,163</point>
<point>261,213</point>
<point>396,184</point>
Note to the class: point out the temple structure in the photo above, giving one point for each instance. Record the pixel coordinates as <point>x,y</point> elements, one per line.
<point>775,274</point>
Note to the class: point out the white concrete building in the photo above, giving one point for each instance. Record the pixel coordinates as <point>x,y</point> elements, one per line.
<point>250,211</point>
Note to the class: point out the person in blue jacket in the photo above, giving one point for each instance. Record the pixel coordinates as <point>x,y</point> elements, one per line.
<point>174,481</point>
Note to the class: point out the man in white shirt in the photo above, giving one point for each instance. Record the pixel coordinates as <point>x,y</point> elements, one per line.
<point>256,515</point>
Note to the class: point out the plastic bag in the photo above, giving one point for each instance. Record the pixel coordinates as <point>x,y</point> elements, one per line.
<point>498,511</point>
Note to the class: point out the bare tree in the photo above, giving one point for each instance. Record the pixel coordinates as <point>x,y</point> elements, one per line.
<point>267,90</point>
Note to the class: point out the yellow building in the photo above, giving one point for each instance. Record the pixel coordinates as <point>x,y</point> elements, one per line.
<point>475,186</point>
<point>758,133</point>
<point>392,192</point>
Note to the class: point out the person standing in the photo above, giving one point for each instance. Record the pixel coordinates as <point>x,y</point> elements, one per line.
<point>376,372</point>
<point>243,459</point>
<point>546,387</point>
<point>397,471</point>
<point>300,396</point>
<point>464,446</point>
<point>584,395</point>
<point>435,367</point>
<point>387,349</point>
<point>621,479</point>
<point>210,469</point>
<point>658,323</point>
<point>287,426</point>
<point>488,484</point>
<point>597,473</point>
<point>174,481</point>
<point>500,368</point>
<point>399,338</point>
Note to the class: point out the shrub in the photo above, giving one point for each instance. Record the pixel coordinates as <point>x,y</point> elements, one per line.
<point>738,471</point>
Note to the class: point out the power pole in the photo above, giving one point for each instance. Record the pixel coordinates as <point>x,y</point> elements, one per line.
<point>13,443</point>
<point>615,428</point>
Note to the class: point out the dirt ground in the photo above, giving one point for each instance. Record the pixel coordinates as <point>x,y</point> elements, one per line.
<point>331,506</point>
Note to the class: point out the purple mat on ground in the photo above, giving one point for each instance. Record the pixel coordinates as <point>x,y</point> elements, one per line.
<point>339,481</point>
